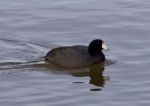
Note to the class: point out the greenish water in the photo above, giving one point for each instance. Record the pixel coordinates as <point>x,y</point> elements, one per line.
<point>30,28</point>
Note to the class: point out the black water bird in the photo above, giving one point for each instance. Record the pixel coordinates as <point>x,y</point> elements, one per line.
<point>78,55</point>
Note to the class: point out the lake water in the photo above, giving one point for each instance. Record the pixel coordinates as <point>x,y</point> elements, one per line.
<point>30,28</point>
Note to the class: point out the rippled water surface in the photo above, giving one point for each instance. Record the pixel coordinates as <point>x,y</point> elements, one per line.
<point>30,28</point>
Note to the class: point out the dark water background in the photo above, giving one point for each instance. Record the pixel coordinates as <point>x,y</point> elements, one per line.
<point>30,28</point>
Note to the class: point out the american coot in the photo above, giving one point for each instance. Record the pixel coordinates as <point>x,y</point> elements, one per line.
<point>77,56</point>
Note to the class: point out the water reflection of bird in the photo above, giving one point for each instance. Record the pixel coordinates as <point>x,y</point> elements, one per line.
<point>95,73</point>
